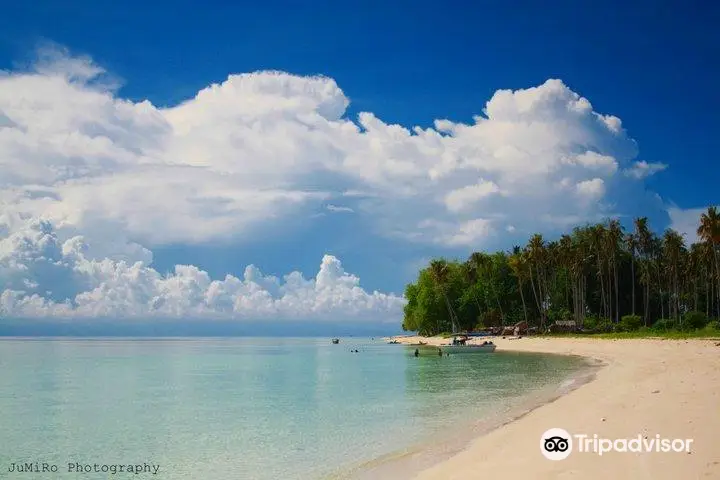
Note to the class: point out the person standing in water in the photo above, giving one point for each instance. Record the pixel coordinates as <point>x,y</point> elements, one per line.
<point>417,352</point>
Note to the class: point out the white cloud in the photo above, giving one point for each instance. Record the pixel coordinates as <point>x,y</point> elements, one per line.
<point>44,276</point>
<point>643,169</point>
<point>594,161</point>
<point>465,197</point>
<point>262,149</point>
<point>686,221</point>
<point>264,146</point>
<point>591,190</point>
<point>339,209</point>
<point>473,232</point>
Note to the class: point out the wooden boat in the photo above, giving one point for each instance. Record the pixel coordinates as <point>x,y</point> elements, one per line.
<point>469,348</point>
<point>459,345</point>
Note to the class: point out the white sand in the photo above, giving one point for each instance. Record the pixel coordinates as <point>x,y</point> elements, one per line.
<point>649,387</point>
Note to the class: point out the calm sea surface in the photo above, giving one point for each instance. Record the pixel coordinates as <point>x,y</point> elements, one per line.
<point>250,408</point>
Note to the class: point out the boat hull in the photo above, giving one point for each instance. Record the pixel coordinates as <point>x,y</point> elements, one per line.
<point>468,348</point>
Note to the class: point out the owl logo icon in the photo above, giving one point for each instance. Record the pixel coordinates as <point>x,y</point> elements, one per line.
<point>556,444</point>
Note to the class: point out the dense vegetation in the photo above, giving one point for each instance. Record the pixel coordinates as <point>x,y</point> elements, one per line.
<point>603,278</point>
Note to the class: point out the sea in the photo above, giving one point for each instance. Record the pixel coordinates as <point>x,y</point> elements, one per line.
<point>245,408</point>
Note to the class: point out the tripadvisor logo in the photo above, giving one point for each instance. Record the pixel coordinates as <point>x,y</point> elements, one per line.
<point>557,444</point>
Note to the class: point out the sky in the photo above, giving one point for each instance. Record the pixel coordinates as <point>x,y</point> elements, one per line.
<point>287,161</point>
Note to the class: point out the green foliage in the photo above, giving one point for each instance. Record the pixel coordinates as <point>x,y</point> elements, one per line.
<point>651,333</point>
<point>425,311</point>
<point>560,314</point>
<point>695,320</point>
<point>630,323</point>
<point>598,325</point>
<point>664,324</point>
<point>491,318</point>
<point>595,274</point>
<point>713,325</point>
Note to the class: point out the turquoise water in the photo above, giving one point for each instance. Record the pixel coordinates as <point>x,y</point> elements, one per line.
<point>249,408</point>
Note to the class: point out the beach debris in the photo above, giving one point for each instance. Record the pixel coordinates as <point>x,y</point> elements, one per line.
<point>655,391</point>
<point>717,344</point>
<point>603,419</point>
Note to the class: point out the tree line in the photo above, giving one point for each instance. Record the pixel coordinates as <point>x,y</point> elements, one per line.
<point>599,275</point>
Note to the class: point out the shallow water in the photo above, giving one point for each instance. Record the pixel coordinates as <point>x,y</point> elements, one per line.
<point>259,408</point>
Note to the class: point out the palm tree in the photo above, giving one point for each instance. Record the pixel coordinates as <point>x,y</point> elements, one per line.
<point>563,262</point>
<point>471,276</point>
<point>632,245</point>
<point>694,271</point>
<point>597,238</point>
<point>673,247</point>
<point>709,232</point>
<point>644,243</point>
<point>440,272</point>
<point>614,237</point>
<point>537,259</point>
<point>518,265</point>
<point>706,260</point>
<point>484,266</point>
<point>657,265</point>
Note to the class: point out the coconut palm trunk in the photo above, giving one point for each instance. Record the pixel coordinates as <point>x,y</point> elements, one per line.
<point>632,275</point>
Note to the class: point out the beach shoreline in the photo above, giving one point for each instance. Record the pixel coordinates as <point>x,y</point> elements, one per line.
<point>646,387</point>
<point>411,461</point>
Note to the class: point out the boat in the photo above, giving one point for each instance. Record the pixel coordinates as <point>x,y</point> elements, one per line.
<point>393,342</point>
<point>487,348</point>
<point>459,345</point>
<point>336,341</point>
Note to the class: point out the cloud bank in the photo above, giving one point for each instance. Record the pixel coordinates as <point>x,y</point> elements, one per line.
<point>90,182</point>
<point>45,277</point>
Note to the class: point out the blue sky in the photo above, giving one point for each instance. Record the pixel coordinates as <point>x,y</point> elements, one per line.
<point>652,64</point>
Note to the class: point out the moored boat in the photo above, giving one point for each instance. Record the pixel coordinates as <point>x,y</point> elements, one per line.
<point>336,341</point>
<point>486,348</point>
<point>459,345</point>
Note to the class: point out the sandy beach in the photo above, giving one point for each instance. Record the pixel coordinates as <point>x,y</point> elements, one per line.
<point>647,387</point>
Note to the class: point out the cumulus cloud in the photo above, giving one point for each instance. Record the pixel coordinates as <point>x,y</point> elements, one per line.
<point>591,190</point>
<point>44,276</point>
<point>261,149</point>
<point>467,196</point>
<point>686,221</point>
<point>643,169</point>
<point>339,209</point>
<point>262,146</point>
